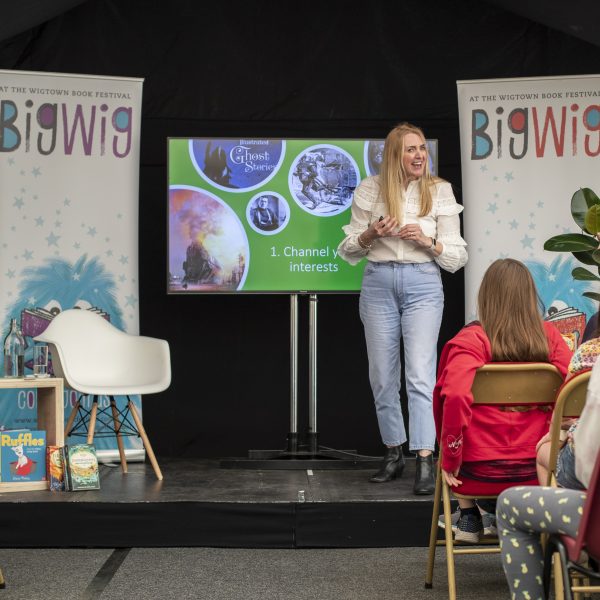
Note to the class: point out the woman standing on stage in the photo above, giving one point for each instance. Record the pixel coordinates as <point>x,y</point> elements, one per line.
<point>405,222</point>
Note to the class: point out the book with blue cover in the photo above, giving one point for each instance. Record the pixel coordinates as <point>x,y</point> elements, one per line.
<point>22,455</point>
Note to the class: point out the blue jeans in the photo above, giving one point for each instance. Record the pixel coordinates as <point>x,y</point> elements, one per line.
<point>403,301</point>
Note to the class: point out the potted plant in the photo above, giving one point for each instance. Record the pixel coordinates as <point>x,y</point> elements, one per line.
<point>585,209</point>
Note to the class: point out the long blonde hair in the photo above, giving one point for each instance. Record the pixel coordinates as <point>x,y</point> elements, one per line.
<point>509,312</point>
<point>393,177</point>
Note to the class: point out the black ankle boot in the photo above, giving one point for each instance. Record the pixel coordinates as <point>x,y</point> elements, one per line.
<point>424,476</point>
<point>391,467</point>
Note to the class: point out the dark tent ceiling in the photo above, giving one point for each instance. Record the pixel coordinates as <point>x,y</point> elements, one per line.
<point>579,18</point>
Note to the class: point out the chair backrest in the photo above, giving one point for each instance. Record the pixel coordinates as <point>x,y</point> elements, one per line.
<point>95,357</point>
<point>588,534</point>
<point>569,403</point>
<point>516,383</point>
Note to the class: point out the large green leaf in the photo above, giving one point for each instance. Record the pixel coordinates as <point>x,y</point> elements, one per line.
<point>571,242</point>
<point>592,295</point>
<point>582,274</point>
<point>587,257</point>
<point>592,219</point>
<point>582,200</point>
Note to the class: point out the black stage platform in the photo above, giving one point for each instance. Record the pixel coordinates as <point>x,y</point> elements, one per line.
<point>201,504</point>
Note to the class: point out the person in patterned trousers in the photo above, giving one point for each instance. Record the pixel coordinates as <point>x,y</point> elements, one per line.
<point>524,512</point>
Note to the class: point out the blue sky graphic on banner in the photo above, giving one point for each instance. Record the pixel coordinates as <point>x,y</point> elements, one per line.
<point>527,145</point>
<point>68,210</point>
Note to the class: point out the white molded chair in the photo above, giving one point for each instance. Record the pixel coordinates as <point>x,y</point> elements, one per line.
<point>95,358</point>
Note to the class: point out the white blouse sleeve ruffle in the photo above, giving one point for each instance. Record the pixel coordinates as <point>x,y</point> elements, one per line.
<point>362,211</point>
<point>454,254</point>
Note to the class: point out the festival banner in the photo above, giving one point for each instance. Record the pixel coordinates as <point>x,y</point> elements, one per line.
<point>69,180</point>
<point>527,147</point>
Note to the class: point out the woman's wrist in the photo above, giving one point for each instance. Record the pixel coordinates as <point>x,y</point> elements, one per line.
<point>364,243</point>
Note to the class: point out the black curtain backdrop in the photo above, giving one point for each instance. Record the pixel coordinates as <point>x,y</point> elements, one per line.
<point>267,68</point>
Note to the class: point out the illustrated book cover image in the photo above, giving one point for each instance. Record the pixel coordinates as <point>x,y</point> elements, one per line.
<point>55,469</point>
<point>570,322</point>
<point>81,467</point>
<point>22,456</point>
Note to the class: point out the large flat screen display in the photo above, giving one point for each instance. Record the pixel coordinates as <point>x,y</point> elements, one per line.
<point>264,215</point>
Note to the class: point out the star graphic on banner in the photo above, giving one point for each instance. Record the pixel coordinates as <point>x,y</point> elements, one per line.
<point>27,254</point>
<point>39,221</point>
<point>10,274</point>
<point>11,161</point>
<point>53,239</point>
<point>13,228</point>
<point>487,232</point>
<point>22,172</point>
<point>479,249</point>
<point>552,277</point>
<point>527,242</point>
<point>31,300</point>
<point>67,202</point>
<point>36,171</point>
<point>509,201</point>
<point>76,245</point>
<point>532,215</point>
<point>35,196</point>
<point>540,204</point>
<point>496,195</point>
<point>122,278</point>
<point>23,190</point>
<point>566,230</point>
<point>107,240</point>
<point>514,224</point>
<point>57,211</point>
<point>91,231</point>
<point>483,168</point>
<point>76,276</point>
<point>495,178</point>
<point>109,253</point>
<point>531,225</point>
<point>57,223</point>
<point>131,300</point>
<point>18,202</point>
<point>124,259</point>
<point>508,176</point>
<point>119,216</point>
<point>492,207</point>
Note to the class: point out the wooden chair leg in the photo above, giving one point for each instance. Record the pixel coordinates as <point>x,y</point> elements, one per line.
<point>92,426</point>
<point>559,583</point>
<point>71,419</point>
<point>449,541</point>
<point>145,440</point>
<point>434,529</point>
<point>117,425</point>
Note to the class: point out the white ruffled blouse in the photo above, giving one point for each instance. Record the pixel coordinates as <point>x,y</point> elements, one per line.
<point>442,223</point>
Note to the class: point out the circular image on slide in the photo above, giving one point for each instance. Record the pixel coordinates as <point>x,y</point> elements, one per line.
<point>208,246</point>
<point>237,164</point>
<point>322,180</point>
<point>268,213</point>
<point>373,156</point>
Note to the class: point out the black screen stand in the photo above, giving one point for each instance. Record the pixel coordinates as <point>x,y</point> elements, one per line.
<point>302,453</point>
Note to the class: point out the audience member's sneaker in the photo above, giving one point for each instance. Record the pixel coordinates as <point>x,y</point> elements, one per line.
<point>454,520</point>
<point>489,524</point>
<point>488,520</point>
<point>469,529</point>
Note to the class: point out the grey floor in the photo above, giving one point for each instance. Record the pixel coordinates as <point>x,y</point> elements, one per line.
<point>242,574</point>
